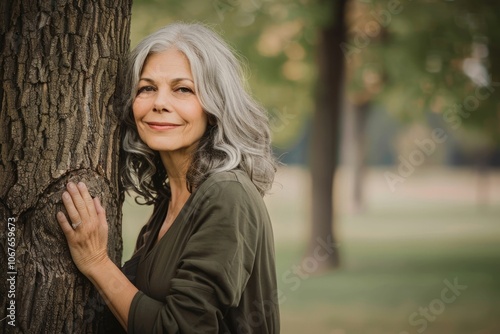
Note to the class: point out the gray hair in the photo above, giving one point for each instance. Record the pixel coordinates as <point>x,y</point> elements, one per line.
<point>237,136</point>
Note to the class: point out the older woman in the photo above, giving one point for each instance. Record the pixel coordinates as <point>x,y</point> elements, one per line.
<point>198,148</point>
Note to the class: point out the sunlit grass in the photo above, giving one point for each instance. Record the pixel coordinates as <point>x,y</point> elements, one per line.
<point>380,284</point>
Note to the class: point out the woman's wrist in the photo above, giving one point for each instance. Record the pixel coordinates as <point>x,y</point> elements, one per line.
<point>114,287</point>
<point>100,264</point>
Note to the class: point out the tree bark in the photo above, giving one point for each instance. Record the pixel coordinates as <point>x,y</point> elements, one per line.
<point>61,86</point>
<point>325,141</point>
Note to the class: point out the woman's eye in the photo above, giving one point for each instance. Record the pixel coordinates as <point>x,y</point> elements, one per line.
<point>184,90</point>
<point>145,89</point>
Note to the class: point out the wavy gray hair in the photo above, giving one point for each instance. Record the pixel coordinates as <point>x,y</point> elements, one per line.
<point>237,136</point>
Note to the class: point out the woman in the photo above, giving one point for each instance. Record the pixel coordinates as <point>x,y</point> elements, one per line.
<point>198,148</point>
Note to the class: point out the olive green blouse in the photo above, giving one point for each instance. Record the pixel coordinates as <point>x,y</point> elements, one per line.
<point>214,269</point>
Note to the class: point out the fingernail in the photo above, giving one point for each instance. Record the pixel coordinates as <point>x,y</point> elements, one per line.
<point>60,215</point>
<point>65,195</point>
<point>81,185</point>
<point>71,185</point>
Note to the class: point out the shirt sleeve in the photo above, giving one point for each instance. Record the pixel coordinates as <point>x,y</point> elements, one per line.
<point>213,270</point>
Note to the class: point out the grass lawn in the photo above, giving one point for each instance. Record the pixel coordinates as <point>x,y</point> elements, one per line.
<point>399,257</point>
<point>383,282</point>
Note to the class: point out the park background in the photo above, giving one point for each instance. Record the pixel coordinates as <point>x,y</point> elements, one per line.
<point>417,189</point>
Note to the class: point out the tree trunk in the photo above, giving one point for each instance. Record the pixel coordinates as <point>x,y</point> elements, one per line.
<point>361,113</point>
<point>353,148</point>
<point>325,141</point>
<point>60,70</point>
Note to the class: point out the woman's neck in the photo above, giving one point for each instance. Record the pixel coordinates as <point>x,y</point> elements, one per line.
<point>176,166</point>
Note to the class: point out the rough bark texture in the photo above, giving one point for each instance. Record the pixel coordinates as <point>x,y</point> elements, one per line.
<point>325,141</point>
<point>60,66</point>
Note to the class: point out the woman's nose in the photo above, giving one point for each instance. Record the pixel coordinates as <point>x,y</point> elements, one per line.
<point>162,103</point>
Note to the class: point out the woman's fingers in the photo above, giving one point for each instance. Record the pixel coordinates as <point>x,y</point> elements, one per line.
<point>78,203</point>
<point>63,222</point>
<point>76,214</point>
<point>88,200</point>
<point>88,241</point>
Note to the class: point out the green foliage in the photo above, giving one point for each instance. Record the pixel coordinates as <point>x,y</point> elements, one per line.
<point>410,60</point>
<point>423,51</point>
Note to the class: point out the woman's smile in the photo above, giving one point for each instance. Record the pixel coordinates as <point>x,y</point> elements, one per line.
<point>162,126</point>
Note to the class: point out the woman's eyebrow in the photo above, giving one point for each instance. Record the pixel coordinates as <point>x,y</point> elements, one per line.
<point>173,81</point>
<point>147,79</point>
<point>177,80</point>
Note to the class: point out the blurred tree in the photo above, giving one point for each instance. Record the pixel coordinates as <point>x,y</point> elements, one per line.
<point>364,82</point>
<point>325,142</point>
<point>60,65</point>
<point>445,63</point>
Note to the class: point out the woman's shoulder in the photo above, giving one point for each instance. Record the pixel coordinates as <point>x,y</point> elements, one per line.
<point>229,184</point>
<point>230,194</point>
<point>233,175</point>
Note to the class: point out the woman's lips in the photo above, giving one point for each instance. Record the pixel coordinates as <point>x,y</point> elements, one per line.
<point>162,125</point>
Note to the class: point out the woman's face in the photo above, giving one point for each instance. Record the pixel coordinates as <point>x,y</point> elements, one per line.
<point>167,112</point>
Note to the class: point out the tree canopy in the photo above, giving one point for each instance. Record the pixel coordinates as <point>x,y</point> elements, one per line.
<point>412,57</point>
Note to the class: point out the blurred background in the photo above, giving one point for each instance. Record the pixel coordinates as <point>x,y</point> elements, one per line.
<point>386,117</point>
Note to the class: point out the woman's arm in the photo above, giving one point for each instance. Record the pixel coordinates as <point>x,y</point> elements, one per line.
<point>115,288</point>
<point>87,242</point>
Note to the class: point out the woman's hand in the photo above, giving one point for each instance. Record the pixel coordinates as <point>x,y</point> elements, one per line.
<point>87,230</point>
